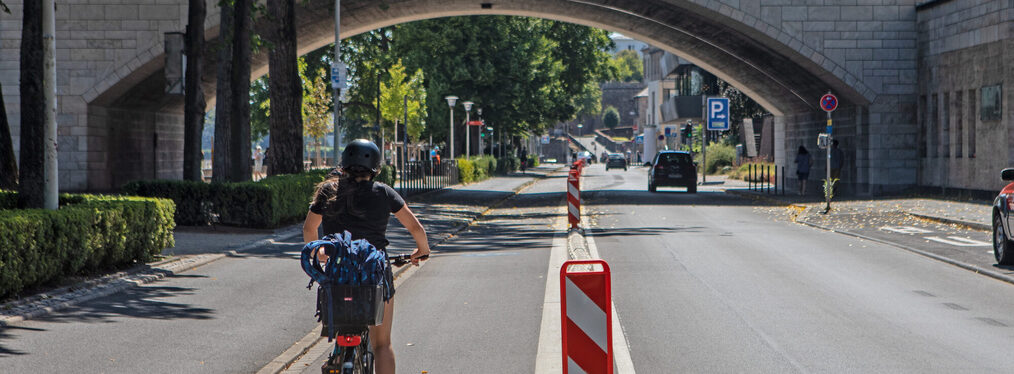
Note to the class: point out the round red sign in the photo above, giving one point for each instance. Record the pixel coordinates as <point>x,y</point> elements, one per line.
<point>829,102</point>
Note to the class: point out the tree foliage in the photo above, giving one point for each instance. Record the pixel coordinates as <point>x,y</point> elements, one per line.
<point>527,74</point>
<point>611,118</point>
<point>626,66</point>
<point>393,90</point>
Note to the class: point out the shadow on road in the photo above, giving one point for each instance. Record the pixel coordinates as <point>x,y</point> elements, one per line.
<point>136,302</point>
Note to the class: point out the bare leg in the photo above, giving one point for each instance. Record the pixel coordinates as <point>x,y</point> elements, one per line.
<point>380,337</point>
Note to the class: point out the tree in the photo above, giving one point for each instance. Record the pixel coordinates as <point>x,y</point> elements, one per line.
<point>611,118</point>
<point>740,106</point>
<point>221,164</point>
<point>316,102</point>
<point>239,152</point>
<point>32,186</point>
<point>8,164</point>
<point>194,106</point>
<point>394,89</point>
<point>286,97</point>
<point>626,66</point>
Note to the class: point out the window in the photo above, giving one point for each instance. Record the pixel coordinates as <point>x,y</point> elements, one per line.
<point>959,121</point>
<point>932,119</point>
<point>991,102</point>
<point>945,126</point>
<point>923,124</point>
<point>971,123</point>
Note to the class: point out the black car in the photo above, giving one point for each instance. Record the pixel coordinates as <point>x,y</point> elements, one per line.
<point>616,161</point>
<point>673,169</point>
<point>1003,242</point>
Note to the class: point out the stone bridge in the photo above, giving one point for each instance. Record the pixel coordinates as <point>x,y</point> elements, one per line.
<point>117,124</point>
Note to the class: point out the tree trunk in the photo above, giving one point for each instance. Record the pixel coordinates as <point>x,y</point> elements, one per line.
<point>240,124</point>
<point>220,160</point>
<point>8,164</point>
<point>31,189</point>
<point>193,110</point>
<point>286,91</point>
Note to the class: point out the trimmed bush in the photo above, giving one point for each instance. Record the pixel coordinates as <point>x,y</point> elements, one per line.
<point>270,202</point>
<point>533,161</point>
<point>719,155</point>
<point>508,164</point>
<point>87,233</point>
<point>388,175</point>
<point>466,170</point>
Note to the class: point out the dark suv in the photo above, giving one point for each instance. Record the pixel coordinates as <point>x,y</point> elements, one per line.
<point>673,169</point>
<point>616,161</point>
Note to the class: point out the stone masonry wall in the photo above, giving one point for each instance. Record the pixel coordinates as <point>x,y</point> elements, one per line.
<point>964,46</point>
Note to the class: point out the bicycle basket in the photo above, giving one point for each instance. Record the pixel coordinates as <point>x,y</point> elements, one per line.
<point>349,309</point>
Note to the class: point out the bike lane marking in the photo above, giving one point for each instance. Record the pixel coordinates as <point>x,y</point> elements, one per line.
<point>548,358</point>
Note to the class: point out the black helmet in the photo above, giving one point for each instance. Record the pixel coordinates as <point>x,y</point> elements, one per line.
<point>361,152</point>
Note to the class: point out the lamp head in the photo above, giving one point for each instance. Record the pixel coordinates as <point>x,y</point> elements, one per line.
<point>451,100</point>
<point>468,105</point>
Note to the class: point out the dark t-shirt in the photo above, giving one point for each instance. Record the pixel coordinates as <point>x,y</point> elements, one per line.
<point>364,213</point>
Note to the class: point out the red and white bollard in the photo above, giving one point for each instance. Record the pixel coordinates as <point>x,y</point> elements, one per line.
<point>587,319</point>
<point>574,197</point>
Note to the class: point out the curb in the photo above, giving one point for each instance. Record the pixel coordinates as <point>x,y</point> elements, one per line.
<point>45,303</point>
<point>953,221</point>
<point>973,268</point>
<point>299,348</point>
<point>764,198</point>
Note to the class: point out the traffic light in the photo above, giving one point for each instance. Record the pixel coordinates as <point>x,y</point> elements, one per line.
<point>687,132</point>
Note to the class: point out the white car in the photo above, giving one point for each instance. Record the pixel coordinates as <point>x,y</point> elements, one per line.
<point>586,157</point>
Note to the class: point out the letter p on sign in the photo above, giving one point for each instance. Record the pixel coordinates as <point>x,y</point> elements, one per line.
<point>718,113</point>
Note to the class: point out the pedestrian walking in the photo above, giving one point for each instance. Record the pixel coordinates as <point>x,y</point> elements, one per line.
<point>524,159</point>
<point>803,162</point>
<point>258,163</point>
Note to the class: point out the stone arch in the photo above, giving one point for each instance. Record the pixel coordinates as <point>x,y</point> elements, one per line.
<point>762,50</point>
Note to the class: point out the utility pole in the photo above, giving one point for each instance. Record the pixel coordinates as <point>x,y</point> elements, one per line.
<point>337,80</point>
<point>52,183</point>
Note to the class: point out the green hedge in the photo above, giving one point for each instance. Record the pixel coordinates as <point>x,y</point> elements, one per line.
<point>719,155</point>
<point>388,175</point>
<point>466,170</point>
<point>508,164</point>
<point>270,202</point>
<point>87,233</point>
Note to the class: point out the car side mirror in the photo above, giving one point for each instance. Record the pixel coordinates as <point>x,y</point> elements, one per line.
<point>1007,174</point>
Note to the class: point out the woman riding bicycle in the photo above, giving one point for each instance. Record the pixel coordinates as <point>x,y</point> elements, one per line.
<point>353,202</point>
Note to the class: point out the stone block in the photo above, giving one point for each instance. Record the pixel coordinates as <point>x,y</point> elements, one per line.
<point>121,12</point>
<point>887,13</point>
<point>159,12</point>
<point>856,13</point>
<point>823,13</point>
<point>818,26</point>
<point>86,12</point>
<point>839,43</point>
<point>794,13</point>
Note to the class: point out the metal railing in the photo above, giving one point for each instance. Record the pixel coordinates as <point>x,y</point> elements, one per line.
<point>422,176</point>
<point>764,178</point>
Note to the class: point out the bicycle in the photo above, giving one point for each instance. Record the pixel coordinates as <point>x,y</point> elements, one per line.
<point>361,307</point>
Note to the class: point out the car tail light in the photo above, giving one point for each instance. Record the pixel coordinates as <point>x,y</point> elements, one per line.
<point>1010,202</point>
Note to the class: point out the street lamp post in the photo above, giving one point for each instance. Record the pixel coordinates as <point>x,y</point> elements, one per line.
<point>482,144</point>
<point>450,104</point>
<point>468,130</point>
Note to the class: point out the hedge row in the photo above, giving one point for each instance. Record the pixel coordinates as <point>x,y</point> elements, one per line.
<point>270,202</point>
<point>480,168</point>
<point>87,233</point>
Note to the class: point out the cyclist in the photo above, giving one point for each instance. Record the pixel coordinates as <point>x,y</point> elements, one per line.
<point>351,201</point>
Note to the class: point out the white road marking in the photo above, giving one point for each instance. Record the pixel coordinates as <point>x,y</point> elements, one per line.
<point>549,357</point>
<point>959,241</point>
<point>905,230</point>
<point>621,352</point>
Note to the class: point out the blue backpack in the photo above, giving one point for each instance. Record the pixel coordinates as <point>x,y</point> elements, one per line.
<point>350,262</point>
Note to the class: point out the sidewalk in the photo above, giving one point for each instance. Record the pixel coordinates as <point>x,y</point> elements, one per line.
<point>975,215</point>
<point>443,213</point>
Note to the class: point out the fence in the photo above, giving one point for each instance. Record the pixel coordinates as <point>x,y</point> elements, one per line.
<point>421,176</point>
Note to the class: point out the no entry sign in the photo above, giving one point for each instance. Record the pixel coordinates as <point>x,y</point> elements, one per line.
<point>828,102</point>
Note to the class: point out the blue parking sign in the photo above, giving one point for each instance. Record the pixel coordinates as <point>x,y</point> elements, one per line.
<point>718,113</point>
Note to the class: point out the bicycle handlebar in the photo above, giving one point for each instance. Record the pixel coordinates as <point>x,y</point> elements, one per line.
<point>402,260</point>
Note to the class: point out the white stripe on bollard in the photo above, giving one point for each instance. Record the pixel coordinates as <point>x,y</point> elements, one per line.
<point>587,315</point>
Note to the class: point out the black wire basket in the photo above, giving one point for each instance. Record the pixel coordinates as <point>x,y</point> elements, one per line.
<point>349,309</point>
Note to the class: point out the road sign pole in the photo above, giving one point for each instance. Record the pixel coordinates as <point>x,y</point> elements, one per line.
<point>828,103</point>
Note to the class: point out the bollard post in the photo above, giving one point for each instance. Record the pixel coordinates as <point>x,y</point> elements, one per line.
<point>775,191</point>
<point>587,323</point>
<point>574,197</point>
<point>749,176</point>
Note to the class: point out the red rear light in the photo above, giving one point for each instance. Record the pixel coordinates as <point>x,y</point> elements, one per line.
<point>348,340</point>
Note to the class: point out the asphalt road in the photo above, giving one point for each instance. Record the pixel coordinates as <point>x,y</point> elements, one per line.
<point>708,283</point>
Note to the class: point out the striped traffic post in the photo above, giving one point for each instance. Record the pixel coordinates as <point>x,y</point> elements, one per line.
<point>587,327</point>
<point>574,197</point>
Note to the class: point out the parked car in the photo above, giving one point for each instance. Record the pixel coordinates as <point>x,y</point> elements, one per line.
<point>673,169</point>
<point>616,161</point>
<point>1003,242</point>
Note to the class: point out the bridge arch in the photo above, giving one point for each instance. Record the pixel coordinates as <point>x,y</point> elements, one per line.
<point>782,56</point>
